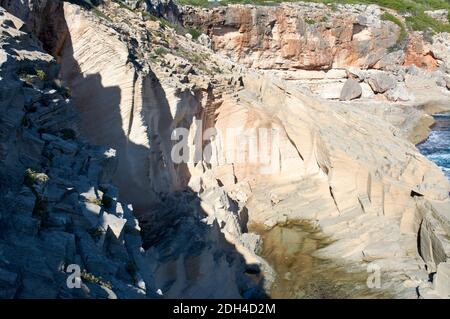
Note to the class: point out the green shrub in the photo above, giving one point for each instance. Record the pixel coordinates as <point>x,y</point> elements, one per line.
<point>166,24</point>
<point>41,74</point>
<point>29,74</point>
<point>123,5</point>
<point>195,33</point>
<point>423,22</point>
<point>91,278</point>
<point>96,201</point>
<point>161,51</point>
<point>32,177</point>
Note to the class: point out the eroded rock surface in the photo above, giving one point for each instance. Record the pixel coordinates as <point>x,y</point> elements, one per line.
<point>349,167</point>
<point>59,207</point>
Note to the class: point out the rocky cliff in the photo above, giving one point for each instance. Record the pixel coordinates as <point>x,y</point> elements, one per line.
<point>310,36</point>
<point>326,40</point>
<point>346,101</point>
<point>59,207</point>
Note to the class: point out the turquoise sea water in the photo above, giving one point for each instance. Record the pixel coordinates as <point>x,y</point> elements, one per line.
<point>437,146</point>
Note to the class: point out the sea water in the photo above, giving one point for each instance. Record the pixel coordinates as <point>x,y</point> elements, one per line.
<point>437,147</point>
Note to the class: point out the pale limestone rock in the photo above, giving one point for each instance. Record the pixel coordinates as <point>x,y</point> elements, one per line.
<point>349,168</point>
<point>399,93</point>
<point>3,57</point>
<point>351,90</point>
<point>391,61</point>
<point>434,245</point>
<point>116,224</point>
<point>367,91</point>
<point>336,74</point>
<point>380,82</point>
<point>440,15</point>
<point>331,91</point>
<point>91,212</point>
<point>281,37</point>
<point>441,49</point>
<point>204,40</point>
<point>442,280</point>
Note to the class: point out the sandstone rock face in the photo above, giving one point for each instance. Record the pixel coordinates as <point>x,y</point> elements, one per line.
<point>419,53</point>
<point>144,106</point>
<point>137,86</point>
<point>351,90</point>
<point>94,60</point>
<point>338,181</point>
<point>304,42</point>
<point>66,211</point>
<point>262,36</point>
<point>303,36</point>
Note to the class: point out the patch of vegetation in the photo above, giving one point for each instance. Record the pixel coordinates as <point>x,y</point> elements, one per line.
<point>96,201</point>
<point>32,177</point>
<point>154,58</point>
<point>41,74</point>
<point>91,278</point>
<point>195,33</point>
<point>161,51</point>
<point>423,22</point>
<point>165,23</point>
<point>333,7</point>
<point>106,201</point>
<point>195,58</point>
<point>100,14</point>
<point>29,74</point>
<point>310,21</point>
<point>123,5</point>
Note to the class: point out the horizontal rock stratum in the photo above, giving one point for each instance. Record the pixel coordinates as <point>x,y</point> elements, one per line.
<point>338,104</point>
<point>308,36</point>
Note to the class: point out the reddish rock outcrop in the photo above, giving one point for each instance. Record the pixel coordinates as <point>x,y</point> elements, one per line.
<point>419,53</point>
<point>296,36</point>
<point>309,36</point>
